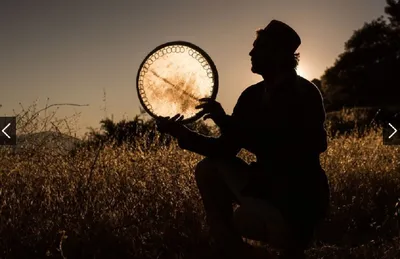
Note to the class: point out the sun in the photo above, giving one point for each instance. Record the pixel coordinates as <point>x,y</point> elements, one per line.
<point>300,72</point>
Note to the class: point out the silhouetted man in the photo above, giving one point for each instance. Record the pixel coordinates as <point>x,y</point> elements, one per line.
<point>284,194</point>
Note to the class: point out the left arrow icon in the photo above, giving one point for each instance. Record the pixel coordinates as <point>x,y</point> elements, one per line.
<point>4,130</point>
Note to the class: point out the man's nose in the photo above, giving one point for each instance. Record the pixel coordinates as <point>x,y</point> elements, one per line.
<point>251,52</point>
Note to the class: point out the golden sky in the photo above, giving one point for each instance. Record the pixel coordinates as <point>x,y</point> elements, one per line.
<point>74,51</point>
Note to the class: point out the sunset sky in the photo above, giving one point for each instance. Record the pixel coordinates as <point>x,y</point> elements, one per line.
<point>72,51</point>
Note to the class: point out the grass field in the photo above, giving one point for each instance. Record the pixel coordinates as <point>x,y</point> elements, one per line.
<point>116,202</point>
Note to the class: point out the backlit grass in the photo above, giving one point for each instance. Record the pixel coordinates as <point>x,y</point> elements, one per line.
<point>121,202</point>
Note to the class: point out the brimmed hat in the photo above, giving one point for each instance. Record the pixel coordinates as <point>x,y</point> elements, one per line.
<point>281,36</point>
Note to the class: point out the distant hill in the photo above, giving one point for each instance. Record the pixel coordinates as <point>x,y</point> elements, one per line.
<point>46,140</point>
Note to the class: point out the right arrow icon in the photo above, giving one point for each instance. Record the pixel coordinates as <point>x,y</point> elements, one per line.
<point>394,132</point>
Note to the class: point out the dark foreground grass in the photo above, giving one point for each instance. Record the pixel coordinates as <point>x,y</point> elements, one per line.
<point>117,203</point>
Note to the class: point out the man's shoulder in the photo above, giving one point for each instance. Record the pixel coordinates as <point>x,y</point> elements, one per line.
<point>307,87</point>
<point>247,97</point>
<point>305,84</point>
<point>252,90</point>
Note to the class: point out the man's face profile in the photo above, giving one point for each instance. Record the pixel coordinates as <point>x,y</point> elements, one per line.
<point>262,57</point>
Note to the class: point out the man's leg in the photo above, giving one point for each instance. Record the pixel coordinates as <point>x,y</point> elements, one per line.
<point>259,220</point>
<point>218,199</point>
<point>256,218</point>
<point>222,181</point>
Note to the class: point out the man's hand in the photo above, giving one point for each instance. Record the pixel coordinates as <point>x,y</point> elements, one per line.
<point>212,110</point>
<point>172,126</point>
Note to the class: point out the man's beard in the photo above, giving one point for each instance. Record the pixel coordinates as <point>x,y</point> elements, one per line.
<point>267,70</point>
<point>255,69</point>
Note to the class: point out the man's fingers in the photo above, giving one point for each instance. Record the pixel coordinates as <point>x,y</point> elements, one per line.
<point>206,102</point>
<point>205,106</point>
<point>206,99</point>
<point>162,118</point>
<point>200,106</point>
<point>207,116</point>
<point>175,117</point>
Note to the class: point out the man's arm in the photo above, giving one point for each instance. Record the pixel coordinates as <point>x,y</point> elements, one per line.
<point>228,144</point>
<point>313,128</point>
<point>305,131</point>
<point>223,146</point>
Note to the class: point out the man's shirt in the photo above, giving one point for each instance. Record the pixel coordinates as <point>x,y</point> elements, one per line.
<point>282,123</point>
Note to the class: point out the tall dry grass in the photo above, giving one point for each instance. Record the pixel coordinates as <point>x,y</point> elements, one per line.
<point>121,202</point>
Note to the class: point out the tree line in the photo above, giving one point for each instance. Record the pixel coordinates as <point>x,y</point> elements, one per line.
<point>366,74</point>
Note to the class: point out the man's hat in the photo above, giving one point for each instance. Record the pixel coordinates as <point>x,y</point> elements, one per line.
<point>281,36</point>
